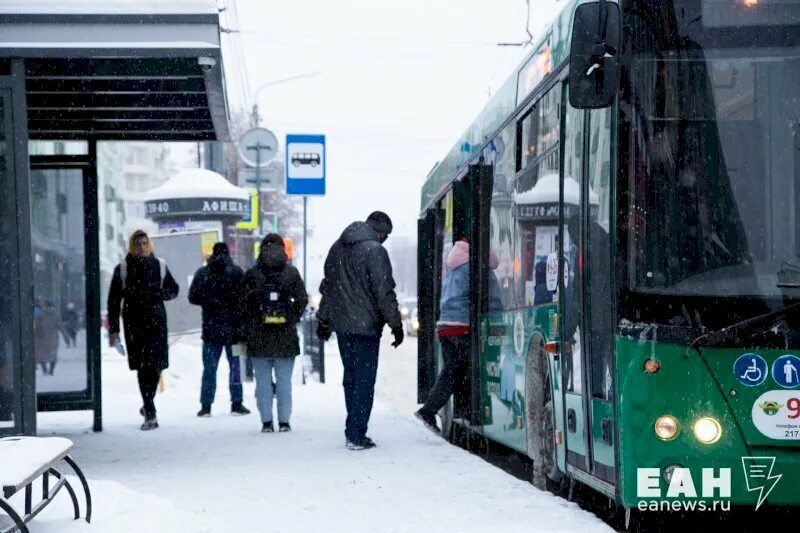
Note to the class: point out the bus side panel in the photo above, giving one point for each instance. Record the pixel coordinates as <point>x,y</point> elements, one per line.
<point>576,431</point>
<point>602,437</point>
<point>505,348</point>
<point>502,382</point>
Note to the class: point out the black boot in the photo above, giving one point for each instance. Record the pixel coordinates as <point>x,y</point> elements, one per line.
<point>428,419</point>
<point>205,411</point>
<point>238,409</point>
<point>267,427</point>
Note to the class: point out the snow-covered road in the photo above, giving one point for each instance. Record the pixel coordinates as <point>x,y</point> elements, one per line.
<point>221,474</point>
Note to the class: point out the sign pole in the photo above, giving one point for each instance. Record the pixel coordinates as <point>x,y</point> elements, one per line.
<point>305,232</point>
<point>258,188</point>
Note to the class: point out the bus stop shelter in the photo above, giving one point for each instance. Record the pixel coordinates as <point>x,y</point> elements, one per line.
<point>87,72</point>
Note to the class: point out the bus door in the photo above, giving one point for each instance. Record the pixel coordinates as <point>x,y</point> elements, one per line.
<point>571,286</point>
<point>599,303</point>
<point>587,307</point>
<point>453,223</point>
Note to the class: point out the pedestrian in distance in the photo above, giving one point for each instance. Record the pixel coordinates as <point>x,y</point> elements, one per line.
<point>139,287</point>
<point>215,288</point>
<point>71,325</point>
<point>358,300</point>
<point>453,328</point>
<point>272,300</point>
<point>47,328</point>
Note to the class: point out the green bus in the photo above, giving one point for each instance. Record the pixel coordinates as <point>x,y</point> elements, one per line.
<point>634,187</point>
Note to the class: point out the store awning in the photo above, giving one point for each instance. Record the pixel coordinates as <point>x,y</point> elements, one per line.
<point>119,70</point>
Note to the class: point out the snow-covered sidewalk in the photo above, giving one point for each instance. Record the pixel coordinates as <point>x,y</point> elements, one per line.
<point>222,474</point>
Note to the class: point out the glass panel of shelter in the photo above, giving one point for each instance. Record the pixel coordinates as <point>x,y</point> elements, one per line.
<point>9,373</point>
<point>59,274</point>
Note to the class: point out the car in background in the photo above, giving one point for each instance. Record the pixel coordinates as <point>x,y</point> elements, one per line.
<point>412,324</point>
<point>407,306</point>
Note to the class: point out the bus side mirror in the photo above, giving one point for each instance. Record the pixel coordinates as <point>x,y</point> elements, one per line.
<point>594,55</point>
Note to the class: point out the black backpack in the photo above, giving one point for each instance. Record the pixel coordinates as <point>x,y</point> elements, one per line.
<point>274,301</point>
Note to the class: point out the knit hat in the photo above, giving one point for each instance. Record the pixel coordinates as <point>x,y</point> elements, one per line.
<point>380,221</point>
<point>272,238</point>
<point>221,248</point>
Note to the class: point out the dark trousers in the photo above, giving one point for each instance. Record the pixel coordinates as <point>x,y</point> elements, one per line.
<point>148,384</point>
<point>208,388</point>
<point>455,355</point>
<point>360,359</point>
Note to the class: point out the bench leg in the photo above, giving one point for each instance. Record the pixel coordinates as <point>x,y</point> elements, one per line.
<point>88,494</point>
<point>76,508</point>
<point>21,527</point>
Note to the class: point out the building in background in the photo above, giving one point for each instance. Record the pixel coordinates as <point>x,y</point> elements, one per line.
<point>111,206</point>
<point>147,166</point>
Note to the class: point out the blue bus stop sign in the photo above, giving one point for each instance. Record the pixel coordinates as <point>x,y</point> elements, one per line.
<point>305,165</point>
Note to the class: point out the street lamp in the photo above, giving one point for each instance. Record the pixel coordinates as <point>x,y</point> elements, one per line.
<point>255,119</point>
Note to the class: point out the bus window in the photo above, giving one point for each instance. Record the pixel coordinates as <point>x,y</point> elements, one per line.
<point>501,219</point>
<point>538,130</point>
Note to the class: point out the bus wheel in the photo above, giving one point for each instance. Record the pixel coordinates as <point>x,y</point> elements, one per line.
<point>539,418</point>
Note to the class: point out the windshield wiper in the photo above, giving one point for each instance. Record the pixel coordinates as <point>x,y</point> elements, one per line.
<point>714,337</point>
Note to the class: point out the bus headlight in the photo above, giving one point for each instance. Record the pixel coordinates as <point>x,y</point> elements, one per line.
<point>666,427</point>
<point>707,430</point>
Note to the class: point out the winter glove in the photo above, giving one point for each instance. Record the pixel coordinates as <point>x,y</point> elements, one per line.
<point>398,337</point>
<point>323,331</point>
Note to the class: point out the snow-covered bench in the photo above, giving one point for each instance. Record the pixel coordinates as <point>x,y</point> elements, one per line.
<point>23,460</point>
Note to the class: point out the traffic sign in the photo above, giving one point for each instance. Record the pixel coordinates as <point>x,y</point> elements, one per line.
<point>251,220</point>
<point>305,165</point>
<point>257,147</point>
<point>270,177</point>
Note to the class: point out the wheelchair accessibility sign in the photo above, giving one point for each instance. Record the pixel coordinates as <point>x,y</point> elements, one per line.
<point>751,370</point>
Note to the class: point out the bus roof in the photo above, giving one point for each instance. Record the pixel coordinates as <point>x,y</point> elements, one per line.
<point>550,51</point>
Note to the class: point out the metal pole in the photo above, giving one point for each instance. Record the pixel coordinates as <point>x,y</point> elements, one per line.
<point>305,231</point>
<point>258,189</point>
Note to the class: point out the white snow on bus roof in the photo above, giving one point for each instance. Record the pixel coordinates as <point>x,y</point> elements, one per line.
<point>108,7</point>
<point>197,183</point>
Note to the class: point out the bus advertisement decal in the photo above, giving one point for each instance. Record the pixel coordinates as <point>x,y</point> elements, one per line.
<point>776,414</point>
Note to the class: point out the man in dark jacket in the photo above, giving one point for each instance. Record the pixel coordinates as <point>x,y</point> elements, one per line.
<point>273,299</point>
<point>358,300</point>
<point>141,284</point>
<point>215,287</point>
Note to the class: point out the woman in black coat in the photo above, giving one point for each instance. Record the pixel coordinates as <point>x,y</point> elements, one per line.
<point>273,299</point>
<point>141,283</point>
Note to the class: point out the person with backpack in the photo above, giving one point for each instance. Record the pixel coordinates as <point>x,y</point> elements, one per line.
<point>139,287</point>
<point>215,287</point>
<point>272,300</point>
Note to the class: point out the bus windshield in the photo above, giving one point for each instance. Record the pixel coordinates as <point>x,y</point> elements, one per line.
<point>714,206</point>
